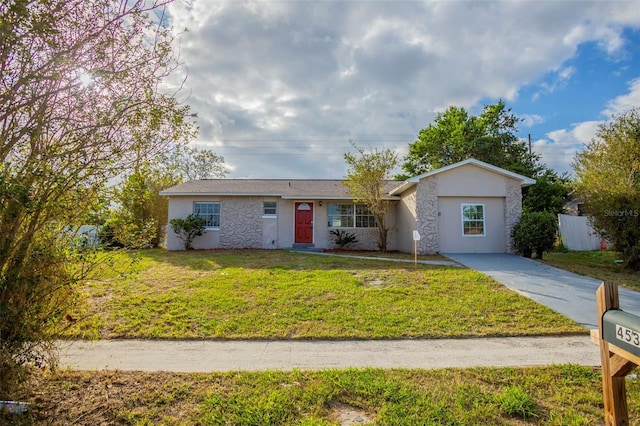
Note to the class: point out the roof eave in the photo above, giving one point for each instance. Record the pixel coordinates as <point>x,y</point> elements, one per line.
<point>245,194</point>
<point>218,194</point>
<point>399,190</point>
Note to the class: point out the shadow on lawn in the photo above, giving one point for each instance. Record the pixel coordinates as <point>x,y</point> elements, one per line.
<point>271,259</point>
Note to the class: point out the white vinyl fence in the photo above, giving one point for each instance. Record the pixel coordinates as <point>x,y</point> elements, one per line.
<point>577,234</point>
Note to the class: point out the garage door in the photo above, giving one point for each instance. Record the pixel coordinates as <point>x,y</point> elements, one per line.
<point>471,225</point>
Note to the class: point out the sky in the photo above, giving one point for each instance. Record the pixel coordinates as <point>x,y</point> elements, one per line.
<point>282,88</point>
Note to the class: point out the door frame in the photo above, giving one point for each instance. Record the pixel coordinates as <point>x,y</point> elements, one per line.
<point>313,217</point>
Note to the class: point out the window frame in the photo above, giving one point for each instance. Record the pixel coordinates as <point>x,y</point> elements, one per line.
<point>465,219</point>
<point>358,216</point>
<point>216,206</point>
<point>274,208</point>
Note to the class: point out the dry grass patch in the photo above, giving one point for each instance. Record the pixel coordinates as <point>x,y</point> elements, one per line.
<point>555,395</point>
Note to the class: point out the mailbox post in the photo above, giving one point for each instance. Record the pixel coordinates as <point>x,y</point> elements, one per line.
<point>619,339</point>
<point>416,238</point>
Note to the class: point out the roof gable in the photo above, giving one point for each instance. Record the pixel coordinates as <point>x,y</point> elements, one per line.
<point>524,181</point>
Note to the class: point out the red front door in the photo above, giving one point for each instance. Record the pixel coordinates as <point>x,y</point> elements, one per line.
<point>304,223</point>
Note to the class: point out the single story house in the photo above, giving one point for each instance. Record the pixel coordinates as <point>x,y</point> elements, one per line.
<point>467,207</point>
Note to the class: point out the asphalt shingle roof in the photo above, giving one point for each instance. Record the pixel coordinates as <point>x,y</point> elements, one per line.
<point>285,188</point>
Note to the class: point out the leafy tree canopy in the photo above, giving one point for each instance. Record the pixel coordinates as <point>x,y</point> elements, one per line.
<point>81,101</point>
<point>139,216</point>
<point>455,136</point>
<point>549,194</point>
<point>366,179</point>
<point>189,163</point>
<point>608,179</point>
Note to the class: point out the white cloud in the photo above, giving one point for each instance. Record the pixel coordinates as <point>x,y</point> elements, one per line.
<point>281,87</point>
<point>559,147</point>
<point>529,120</point>
<point>559,80</point>
<point>626,101</point>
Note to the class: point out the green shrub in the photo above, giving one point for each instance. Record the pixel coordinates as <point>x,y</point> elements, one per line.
<point>188,229</point>
<point>343,239</point>
<point>535,232</point>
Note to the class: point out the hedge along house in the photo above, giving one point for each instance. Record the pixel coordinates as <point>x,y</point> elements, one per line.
<point>467,207</point>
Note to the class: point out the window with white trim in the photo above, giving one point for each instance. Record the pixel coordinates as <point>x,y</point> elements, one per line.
<point>350,216</point>
<point>473,220</point>
<point>364,218</point>
<point>209,211</point>
<point>269,208</point>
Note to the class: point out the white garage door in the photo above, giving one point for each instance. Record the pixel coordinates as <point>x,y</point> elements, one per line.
<point>471,225</point>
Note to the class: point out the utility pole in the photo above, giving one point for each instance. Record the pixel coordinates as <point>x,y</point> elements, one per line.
<point>529,143</point>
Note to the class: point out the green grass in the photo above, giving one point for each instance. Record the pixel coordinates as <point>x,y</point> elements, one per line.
<point>260,294</point>
<point>596,264</point>
<point>556,395</point>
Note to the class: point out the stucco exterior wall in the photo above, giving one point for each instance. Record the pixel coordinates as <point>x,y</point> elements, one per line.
<point>285,223</point>
<point>241,222</point>
<point>406,220</point>
<point>513,210</point>
<point>181,207</point>
<point>427,215</point>
<point>452,239</point>
<point>243,225</point>
<point>470,180</point>
<point>367,237</point>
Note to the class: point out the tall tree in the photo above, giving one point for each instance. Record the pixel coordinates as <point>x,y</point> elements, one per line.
<point>549,194</point>
<point>80,102</point>
<point>367,175</point>
<point>456,136</point>
<point>141,216</point>
<point>608,178</point>
<point>195,163</point>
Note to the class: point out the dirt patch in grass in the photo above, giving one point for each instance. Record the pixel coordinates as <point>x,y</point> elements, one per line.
<point>347,415</point>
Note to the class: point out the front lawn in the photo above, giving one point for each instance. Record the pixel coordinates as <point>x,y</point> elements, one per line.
<point>260,294</point>
<point>601,265</point>
<point>555,395</point>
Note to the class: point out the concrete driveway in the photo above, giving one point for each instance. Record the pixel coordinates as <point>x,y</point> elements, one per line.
<point>570,294</point>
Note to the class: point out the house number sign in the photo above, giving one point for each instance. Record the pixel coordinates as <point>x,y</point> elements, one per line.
<point>626,335</point>
<point>622,329</point>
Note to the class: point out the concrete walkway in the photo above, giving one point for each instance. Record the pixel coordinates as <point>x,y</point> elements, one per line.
<point>570,294</point>
<point>208,356</point>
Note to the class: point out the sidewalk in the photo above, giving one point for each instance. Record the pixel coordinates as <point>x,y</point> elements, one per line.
<point>209,356</point>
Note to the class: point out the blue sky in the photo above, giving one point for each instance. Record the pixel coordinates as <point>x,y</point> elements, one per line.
<point>281,87</point>
<point>597,79</point>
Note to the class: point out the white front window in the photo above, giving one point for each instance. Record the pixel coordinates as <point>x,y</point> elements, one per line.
<point>350,216</point>
<point>210,212</point>
<point>473,220</point>
<point>269,208</point>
